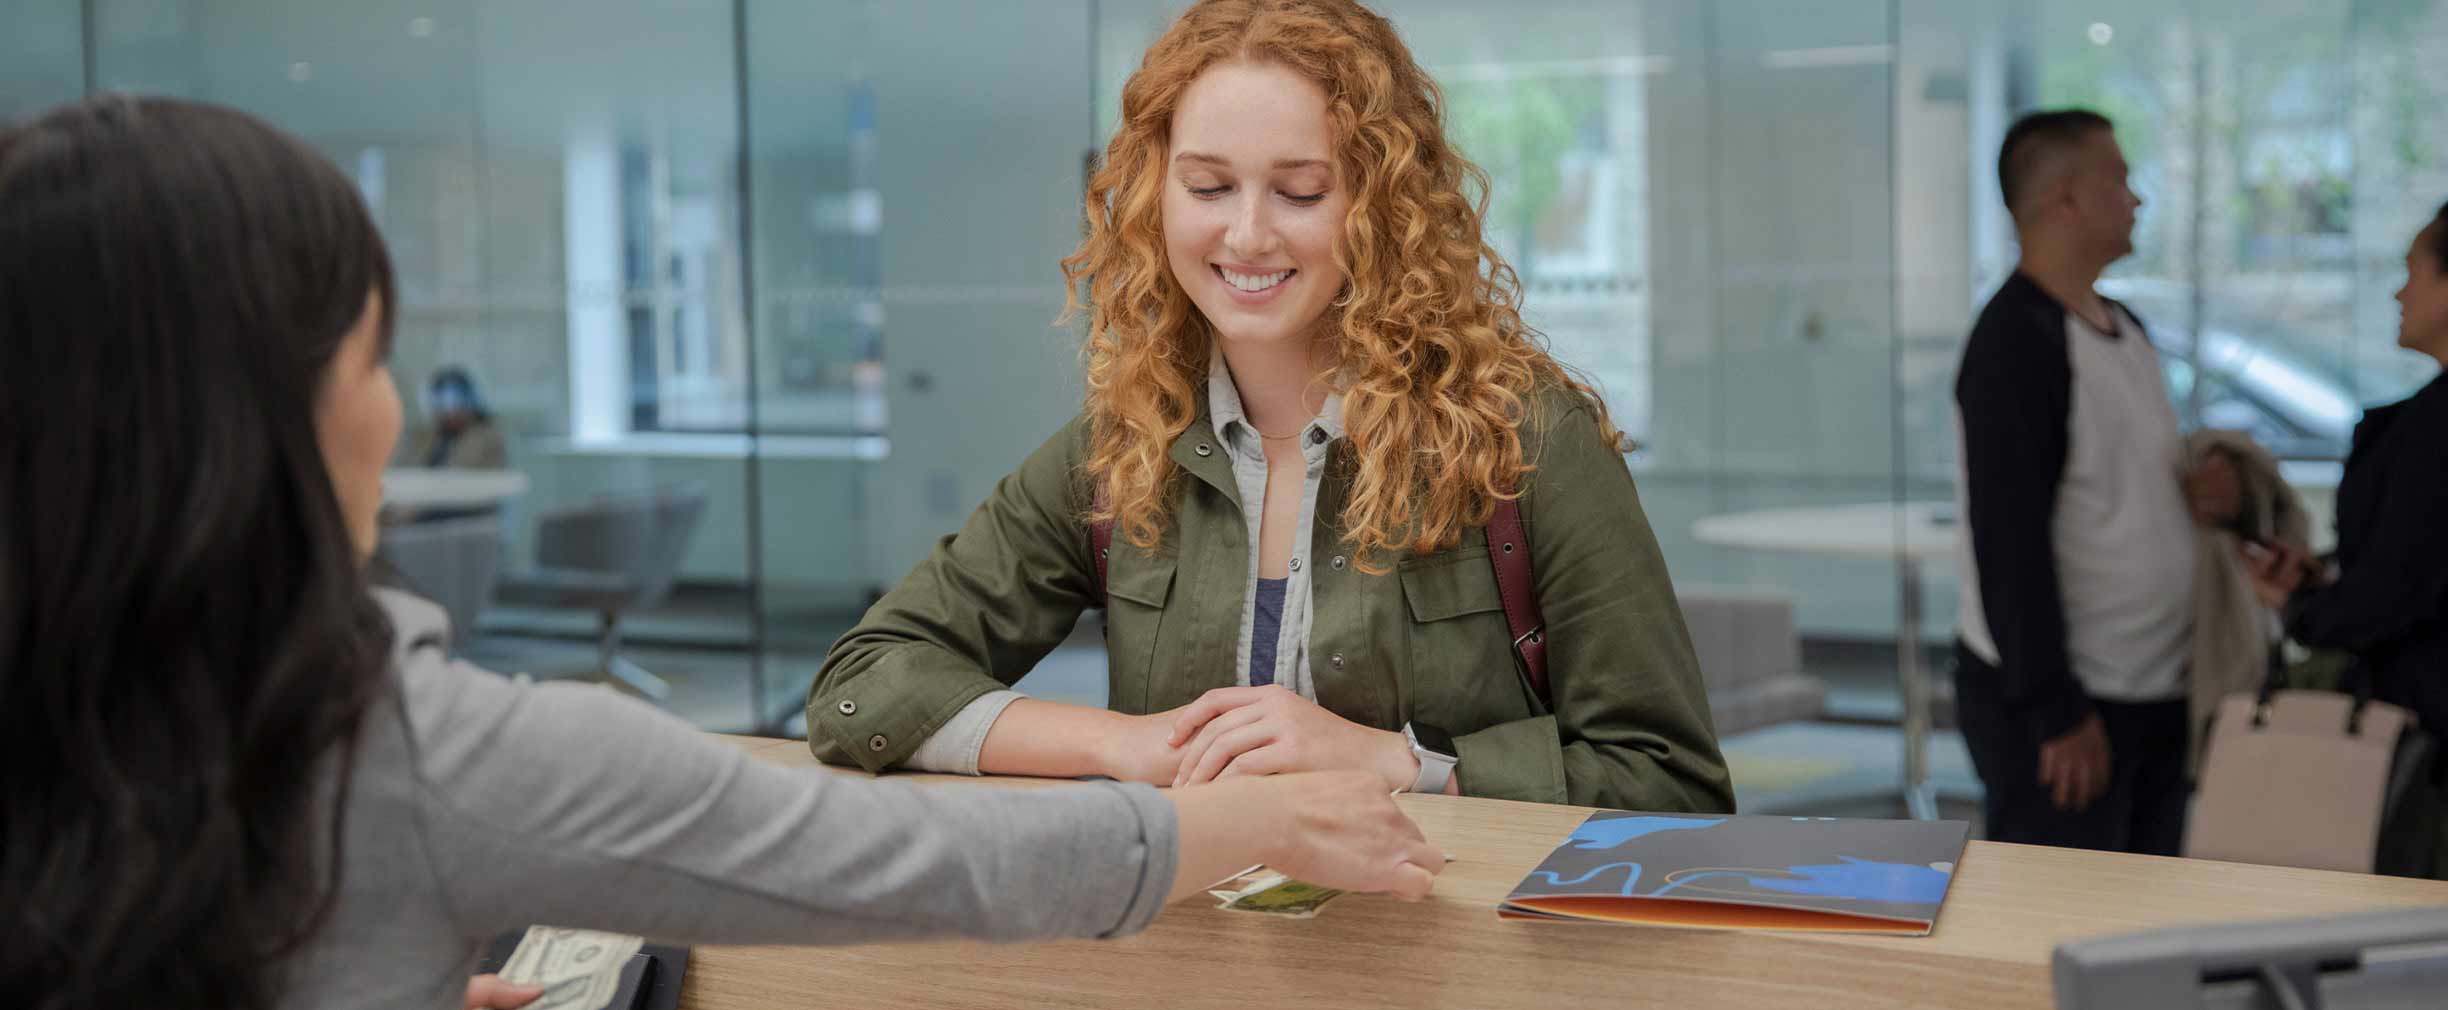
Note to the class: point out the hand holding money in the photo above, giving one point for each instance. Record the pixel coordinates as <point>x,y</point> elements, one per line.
<point>1347,833</point>
<point>578,969</point>
<point>1337,830</point>
<point>491,992</point>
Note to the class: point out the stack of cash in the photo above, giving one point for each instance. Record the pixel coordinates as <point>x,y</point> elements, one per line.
<point>579,969</point>
<point>1267,892</point>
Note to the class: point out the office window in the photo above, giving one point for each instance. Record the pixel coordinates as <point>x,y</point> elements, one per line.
<point>687,343</point>
<point>2283,150</point>
<point>1561,142</point>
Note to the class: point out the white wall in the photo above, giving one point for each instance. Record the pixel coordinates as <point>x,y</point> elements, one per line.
<point>41,57</point>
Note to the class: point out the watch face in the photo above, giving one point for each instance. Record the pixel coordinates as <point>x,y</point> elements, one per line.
<point>1432,739</point>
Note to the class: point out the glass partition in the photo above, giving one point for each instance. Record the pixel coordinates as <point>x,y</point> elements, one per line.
<point>557,183</point>
<point>796,262</point>
<point>917,170</point>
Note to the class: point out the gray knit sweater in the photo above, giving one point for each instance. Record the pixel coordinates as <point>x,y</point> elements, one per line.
<point>479,805</point>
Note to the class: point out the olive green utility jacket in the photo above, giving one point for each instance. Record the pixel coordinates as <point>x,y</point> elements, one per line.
<point>1426,641</point>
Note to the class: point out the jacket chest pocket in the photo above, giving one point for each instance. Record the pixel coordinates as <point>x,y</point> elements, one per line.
<point>1138,591</point>
<point>1461,674</point>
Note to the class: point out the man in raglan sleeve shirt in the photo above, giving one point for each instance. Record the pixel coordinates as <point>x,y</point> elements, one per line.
<point>2078,573</point>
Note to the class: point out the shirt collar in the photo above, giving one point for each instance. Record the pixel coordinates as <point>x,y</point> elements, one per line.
<point>1226,413</point>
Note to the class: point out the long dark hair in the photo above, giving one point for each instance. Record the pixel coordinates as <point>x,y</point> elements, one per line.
<point>2439,236</point>
<point>187,646</point>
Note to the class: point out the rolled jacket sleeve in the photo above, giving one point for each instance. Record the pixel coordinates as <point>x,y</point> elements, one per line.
<point>954,748</point>
<point>973,617</point>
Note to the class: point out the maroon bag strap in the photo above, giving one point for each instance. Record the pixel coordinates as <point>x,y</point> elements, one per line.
<point>1509,553</point>
<point>1516,585</point>
<point>1100,543</point>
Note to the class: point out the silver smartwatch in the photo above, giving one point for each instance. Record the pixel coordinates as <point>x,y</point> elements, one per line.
<point>1435,751</point>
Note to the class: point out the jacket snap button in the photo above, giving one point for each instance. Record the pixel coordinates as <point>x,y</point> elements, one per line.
<point>848,708</point>
<point>1204,449</point>
<point>877,742</point>
<point>1296,564</point>
<point>1337,660</point>
<point>1337,562</point>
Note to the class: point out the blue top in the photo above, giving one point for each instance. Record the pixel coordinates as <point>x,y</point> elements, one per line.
<point>1266,627</point>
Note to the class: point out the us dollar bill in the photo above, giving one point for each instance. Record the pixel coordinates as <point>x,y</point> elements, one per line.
<point>579,969</point>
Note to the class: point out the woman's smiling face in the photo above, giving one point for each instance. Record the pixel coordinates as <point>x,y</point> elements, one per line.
<point>1255,206</point>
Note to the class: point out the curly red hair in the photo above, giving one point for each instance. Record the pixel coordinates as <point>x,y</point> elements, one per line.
<point>1436,367</point>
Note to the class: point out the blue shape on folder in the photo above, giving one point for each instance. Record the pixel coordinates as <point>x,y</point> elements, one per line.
<point>1864,880</point>
<point>1613,832</point>
<point>1632,876</point>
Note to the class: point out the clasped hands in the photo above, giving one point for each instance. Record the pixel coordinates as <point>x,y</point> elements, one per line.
<point>1235,731</point>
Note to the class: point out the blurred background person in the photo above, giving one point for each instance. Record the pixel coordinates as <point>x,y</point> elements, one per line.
<point>2078,597</point>
<point>2382,597</point>
<point>459,432</point>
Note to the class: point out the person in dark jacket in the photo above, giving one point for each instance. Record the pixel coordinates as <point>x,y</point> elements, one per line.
<point>2382,598</point>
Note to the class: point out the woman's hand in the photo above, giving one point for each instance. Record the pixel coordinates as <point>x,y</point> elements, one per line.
<point>2213,490</point>
<point>1332,829</point>
<point>1140,748</point>
<point>1234,731</point>
<point>490,992</point>
<point>2275,571</point>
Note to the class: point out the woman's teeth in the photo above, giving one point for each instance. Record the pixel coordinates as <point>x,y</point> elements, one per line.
<point>1254,282</point>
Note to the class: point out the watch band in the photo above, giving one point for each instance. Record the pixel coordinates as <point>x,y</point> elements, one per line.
<point>1436,768</point>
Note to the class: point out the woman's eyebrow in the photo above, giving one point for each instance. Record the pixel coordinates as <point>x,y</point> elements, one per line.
<point>1221,162</point>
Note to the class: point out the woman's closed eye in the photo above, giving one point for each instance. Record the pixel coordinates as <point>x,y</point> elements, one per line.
<point>1296,199</point>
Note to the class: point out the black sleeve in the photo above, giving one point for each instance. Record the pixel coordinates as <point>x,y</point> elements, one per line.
<point>2399,580</point>
<point>2014,394</point>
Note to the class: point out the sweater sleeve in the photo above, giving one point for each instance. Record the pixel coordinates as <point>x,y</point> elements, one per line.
<point>573,805</point>
<point>2014,396</point>
<point>990,602</point>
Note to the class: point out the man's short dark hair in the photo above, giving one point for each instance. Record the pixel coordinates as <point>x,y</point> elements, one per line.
<point>2036,137</point>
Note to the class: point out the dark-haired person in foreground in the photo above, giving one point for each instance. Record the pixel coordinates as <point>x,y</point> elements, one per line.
<point>233,777</point>
<point>2079,573</point>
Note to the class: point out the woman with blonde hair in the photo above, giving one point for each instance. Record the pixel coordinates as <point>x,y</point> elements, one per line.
<point>1323,473</point>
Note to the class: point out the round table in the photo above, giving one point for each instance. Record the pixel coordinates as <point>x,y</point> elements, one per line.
<point>423,488</point>
<point>1909,533</point>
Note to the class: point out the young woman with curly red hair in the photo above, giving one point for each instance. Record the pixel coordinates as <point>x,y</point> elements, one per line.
<point>1309,388</point>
